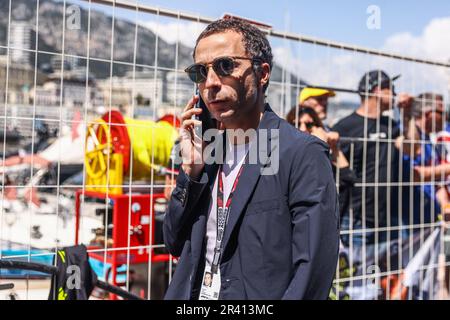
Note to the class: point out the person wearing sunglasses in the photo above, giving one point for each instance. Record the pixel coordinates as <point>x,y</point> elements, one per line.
<point>265,230</point>
<point>307,120</point>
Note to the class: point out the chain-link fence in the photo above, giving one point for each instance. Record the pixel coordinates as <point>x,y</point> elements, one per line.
<point>90,94</point>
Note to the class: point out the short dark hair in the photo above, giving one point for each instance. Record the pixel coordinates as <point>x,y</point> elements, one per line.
<point>254,40</point>
<point>290,117</point>
<point>425,102</point>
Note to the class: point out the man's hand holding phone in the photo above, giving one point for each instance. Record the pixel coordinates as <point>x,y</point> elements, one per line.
<point>191,144</point>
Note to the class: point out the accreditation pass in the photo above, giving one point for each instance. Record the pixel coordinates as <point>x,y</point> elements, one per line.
<point>210,285</point>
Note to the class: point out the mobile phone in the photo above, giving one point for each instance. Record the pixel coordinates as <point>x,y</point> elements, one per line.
<point>205,117</point>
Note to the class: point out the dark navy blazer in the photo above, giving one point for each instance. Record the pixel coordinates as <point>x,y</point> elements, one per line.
<point>282,236</point>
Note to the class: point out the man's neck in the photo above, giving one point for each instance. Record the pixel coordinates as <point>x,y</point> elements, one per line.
<point>369,109</point>
<point>250,121</point>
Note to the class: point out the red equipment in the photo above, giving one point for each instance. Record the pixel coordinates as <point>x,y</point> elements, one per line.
<point>136,211</point>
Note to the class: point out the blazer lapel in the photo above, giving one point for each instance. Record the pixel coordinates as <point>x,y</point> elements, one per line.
<point>250,172</point>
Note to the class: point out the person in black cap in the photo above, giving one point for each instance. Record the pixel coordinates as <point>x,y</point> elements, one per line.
<point>376,79</point>
<point>375,159</point>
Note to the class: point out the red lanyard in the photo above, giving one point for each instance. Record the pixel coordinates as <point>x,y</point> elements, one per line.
<point>222,217</point>
<point>220,194</point>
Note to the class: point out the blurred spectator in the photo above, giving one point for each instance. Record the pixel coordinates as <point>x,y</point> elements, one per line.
<point>317,99</point>
<point>305,119</point>
<point>309,122</point>
<point>375,160</point>
<point>421,158</point>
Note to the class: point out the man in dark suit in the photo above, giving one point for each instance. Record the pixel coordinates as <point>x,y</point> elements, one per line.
<point>265,229</point>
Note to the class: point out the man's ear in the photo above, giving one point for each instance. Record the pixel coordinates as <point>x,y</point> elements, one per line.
<point>263,72</point>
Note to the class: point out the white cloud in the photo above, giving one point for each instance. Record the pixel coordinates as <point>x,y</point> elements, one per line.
<point>184,32</point>
<point>433,43</point>
<point>344,69</point>
<point>337,68</point>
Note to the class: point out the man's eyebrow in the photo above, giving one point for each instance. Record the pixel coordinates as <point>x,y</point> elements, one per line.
<point>199,62</point>
<point>204,63</point>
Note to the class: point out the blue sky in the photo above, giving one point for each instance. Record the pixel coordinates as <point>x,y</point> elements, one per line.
<point>414,28</point>
<point>343,20</point>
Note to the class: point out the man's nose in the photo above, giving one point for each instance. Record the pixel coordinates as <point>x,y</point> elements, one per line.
<point>212,79</point>
<point>302,127</point>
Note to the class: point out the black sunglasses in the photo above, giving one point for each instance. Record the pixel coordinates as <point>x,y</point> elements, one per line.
<point>223,66</point>
<point>309,125</point>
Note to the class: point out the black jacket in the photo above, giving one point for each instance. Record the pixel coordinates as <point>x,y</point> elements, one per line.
<point>282,236</point>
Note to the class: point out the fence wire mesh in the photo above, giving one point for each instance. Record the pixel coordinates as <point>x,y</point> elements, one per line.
<point>89,90</point>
